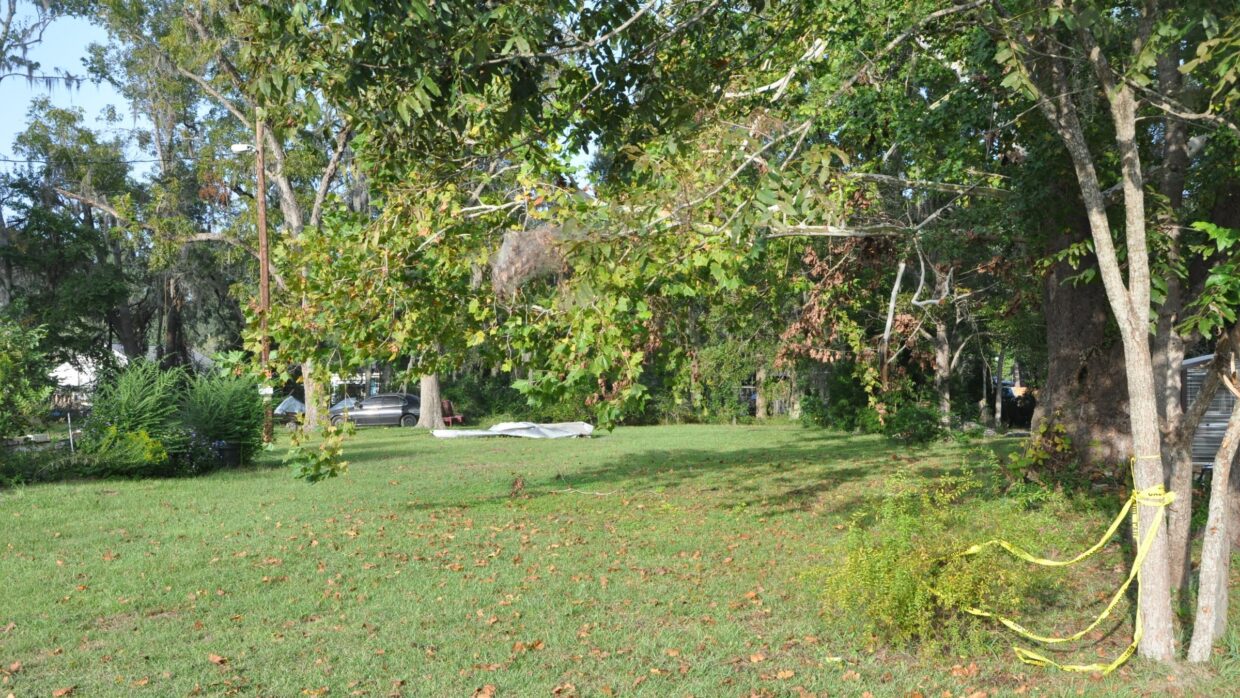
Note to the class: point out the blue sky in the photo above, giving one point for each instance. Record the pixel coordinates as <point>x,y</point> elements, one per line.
<point>64,47</point>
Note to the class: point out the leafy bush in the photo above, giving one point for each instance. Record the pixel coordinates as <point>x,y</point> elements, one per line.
<point>900,583</point>
<point>24,385</point>
<point>128,453</point>
<point>814,411</point>
<point>225,408</point>
<point>24,467</point>
<point>914,425</point>
<point>477,394</point>
<point>134,422</point>
<point>150,421</point>
<point>1047,456</point>
<point>847,406</point>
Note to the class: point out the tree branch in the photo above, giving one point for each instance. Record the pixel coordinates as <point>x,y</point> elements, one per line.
<point>329,174</point>
<point>949,187</point>
<point>197,237</point>
<point>835,231</point>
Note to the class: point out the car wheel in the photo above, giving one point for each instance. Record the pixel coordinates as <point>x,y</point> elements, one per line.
<point>337,421</point>
<point>408,420</point>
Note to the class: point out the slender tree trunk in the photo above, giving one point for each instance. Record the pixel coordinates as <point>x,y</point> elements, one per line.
<point>7,276</point>
<point>943,371</point>
<point>1211,619</point>
<point>432,410</point>
<point>175,346</point>
<point>999,387</point>
<point>1168,345</point>
<point>760,407</point>
<point>985,411</point>
<point>315,396</point>
<point>1130,304</point>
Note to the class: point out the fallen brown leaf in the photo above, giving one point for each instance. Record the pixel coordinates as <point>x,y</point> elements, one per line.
<point>217,659</point>
<point>62,692</point>
<point>851,675</point>
<point>487,691</point>
<point>962,671</point>
<point>785,674</point>
<point>757,657</point>
<point>15,667</point>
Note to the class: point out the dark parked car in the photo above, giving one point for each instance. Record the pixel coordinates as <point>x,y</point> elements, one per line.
<point>390,409</point>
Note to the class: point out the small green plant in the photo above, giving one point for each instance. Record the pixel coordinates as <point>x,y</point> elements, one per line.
<point>1045,458</point>
<point>913,425</point>
<point>315,462</point>
<point>128,453</point>
<point>900,581</point>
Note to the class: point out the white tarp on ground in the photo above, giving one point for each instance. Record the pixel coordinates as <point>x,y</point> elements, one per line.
<point>529,430</point>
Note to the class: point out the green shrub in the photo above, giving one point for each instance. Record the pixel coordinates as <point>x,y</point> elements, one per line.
<point>477,394</point>
<point>900,584</point>
<point>24,385</point>
<point>134,422</point>
<point>24,467</point>
<point>127,453</point>
<point>914,425</point>
<point>153,421</point>
<point>224,408</point>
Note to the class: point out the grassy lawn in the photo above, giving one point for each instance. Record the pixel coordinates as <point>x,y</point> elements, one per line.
<point>658,561</point>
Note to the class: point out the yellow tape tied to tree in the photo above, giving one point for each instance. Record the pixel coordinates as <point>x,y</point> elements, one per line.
<point>1153,496</point>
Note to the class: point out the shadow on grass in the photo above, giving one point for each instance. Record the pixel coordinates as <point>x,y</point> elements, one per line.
<point>785,477</point>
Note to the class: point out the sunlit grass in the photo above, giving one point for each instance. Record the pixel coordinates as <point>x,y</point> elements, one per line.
<point>649,561</point>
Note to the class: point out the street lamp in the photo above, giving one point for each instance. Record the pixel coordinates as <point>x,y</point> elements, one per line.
<point>264,276</point>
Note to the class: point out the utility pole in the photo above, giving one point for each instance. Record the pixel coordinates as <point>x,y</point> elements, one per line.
<point>264,276</point>
<point>264,265</point>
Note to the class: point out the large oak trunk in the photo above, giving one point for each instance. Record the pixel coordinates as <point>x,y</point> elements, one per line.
<point>1085,388</point>
<point>432,409</point>
<point>315,399</point>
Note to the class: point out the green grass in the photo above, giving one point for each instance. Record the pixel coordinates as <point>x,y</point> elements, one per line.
<point>657,561</point>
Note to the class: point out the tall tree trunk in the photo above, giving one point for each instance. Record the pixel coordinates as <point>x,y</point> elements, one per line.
<point>7,277</point>
<point>1211,621</point>
<point>943,371</point>
<point>1129,300</point>
<point>1130,303</point>
<point>175,346</point>
<point>999,387</point>
<point>760,407</point>
<point>985,410</point>
<point>316,397</point>
<point>1084,388</point>
<point>432,409</point>
<point>1168,345</point>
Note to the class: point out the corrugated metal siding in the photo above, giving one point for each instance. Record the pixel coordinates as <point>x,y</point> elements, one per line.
<point>1209,434</point>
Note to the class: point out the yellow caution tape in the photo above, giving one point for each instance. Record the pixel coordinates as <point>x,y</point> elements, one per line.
<point>1153,496</point>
